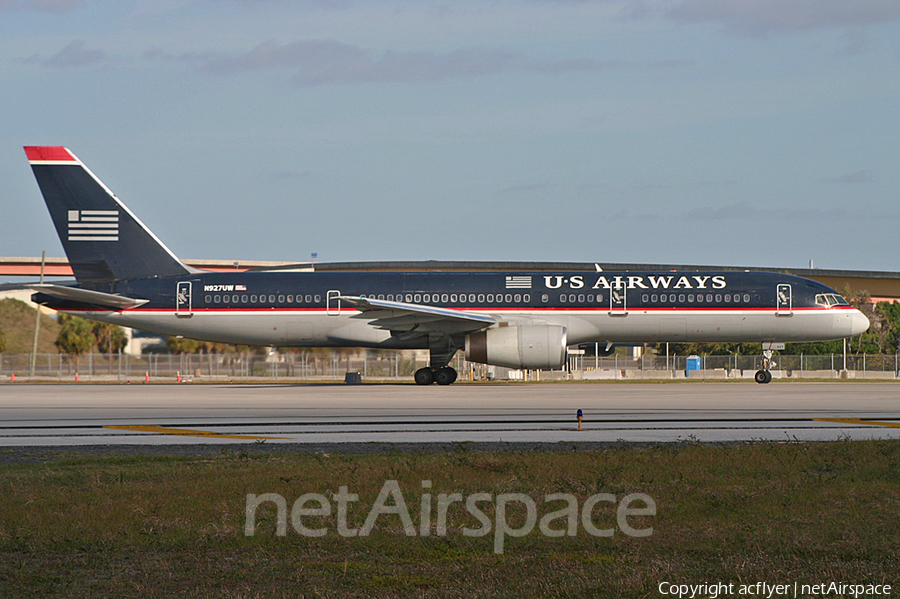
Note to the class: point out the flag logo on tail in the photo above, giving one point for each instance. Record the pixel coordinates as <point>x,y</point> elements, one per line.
<point>93,225</point>
<point>513,282</point>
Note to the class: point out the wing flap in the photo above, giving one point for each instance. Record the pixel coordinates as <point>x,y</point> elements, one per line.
<point>400,316</point>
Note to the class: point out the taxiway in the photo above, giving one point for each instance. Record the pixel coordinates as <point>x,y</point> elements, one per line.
<point>79,415</point>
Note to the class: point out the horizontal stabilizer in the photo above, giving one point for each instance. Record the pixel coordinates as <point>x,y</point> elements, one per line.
<point>86,296</point>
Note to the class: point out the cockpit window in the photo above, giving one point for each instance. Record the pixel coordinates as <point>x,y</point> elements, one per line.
<point>831,299</point>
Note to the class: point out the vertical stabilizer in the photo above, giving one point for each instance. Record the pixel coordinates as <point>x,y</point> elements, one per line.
<point>103,239</point>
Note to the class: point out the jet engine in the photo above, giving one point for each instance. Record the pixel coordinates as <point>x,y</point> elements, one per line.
<point>525,346</point>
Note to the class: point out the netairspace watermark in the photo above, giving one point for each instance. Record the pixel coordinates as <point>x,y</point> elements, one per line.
<point>434,513</point>
<point>714,590</point>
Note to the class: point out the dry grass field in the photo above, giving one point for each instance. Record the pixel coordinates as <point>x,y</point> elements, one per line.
<point>167,526</point>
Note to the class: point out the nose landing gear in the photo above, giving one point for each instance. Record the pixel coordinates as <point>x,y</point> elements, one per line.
<point>765,375</point>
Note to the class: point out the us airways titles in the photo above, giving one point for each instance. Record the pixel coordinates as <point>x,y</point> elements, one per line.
<point>638,282</point>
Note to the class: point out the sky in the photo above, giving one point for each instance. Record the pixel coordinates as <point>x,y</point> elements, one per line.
<point>713,132</point>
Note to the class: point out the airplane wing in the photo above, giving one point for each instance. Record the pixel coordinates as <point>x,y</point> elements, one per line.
<point>403,317</point>
<point>86,296</point>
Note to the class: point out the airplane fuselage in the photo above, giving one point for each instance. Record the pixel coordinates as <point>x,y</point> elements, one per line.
<point>304,308</point>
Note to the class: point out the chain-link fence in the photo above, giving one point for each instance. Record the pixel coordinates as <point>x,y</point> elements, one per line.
<point>861,366</point>
<point>400,365</point>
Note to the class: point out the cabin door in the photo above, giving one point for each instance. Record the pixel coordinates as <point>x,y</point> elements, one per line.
<point>618,304</point>
<point>784,305</point>
<point>183,303</point>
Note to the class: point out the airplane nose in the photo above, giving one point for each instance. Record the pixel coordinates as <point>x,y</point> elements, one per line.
<point>859,324</point>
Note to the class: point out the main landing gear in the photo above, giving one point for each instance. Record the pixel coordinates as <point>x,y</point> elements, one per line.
<point>765,376</point>
<point>444,375</point>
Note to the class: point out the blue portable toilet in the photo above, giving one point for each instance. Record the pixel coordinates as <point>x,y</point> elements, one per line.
<point>691,363</point>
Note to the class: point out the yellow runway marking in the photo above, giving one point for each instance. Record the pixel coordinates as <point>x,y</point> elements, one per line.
<point>183,432</point>
<point>858,421</point>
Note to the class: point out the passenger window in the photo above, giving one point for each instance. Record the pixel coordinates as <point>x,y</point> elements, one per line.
<point>208,299</point>
<point>545,298</point>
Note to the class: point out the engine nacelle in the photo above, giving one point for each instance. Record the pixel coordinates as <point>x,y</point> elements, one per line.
<point>526,346</point>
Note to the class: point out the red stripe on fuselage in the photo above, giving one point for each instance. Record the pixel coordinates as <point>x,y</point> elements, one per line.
<point>601,310</point>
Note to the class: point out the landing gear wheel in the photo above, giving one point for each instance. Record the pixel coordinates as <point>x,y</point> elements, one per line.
<point>762,377</point>
<point>445,375</point>
<point>424,376</point>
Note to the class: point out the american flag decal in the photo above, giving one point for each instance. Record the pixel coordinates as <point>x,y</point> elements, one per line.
<point>93,225</point>
<point>514,282</point>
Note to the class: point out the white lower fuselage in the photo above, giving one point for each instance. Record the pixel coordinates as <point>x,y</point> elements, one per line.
<point>339,328</point>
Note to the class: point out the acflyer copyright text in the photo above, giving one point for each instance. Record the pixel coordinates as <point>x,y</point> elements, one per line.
<point>713,590</point>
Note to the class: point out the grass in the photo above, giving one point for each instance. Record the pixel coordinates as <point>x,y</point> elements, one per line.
<point>17,326</point>
<point>135,526</point>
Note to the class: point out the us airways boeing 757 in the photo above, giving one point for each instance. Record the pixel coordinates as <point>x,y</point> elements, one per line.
<point>126,276</point>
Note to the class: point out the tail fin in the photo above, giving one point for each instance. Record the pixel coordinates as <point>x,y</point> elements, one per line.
<point>103,239</point>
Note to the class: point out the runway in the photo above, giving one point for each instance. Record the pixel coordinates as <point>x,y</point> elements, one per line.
<point>109,415</point>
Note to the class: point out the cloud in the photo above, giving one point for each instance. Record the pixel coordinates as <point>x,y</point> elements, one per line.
<point>39,5</point>
<point>748,211</point>
<point>73,55</point>
<point>321,62</point>
<point>527,188</point>
<point>851,178</point>
<point>289,175</point>
<point>764,17</point>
